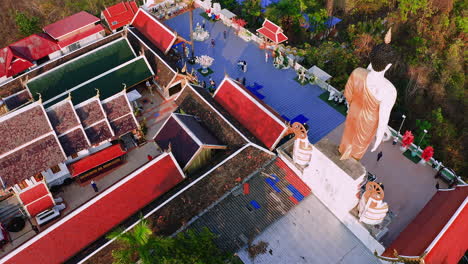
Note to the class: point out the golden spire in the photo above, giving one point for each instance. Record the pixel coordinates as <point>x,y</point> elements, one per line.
<point>69,96</point>
<point>40,98</point>
<point>97,92</point>
<point>184,69</point>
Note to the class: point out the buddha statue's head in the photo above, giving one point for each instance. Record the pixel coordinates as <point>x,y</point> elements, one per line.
<point>382,57</point>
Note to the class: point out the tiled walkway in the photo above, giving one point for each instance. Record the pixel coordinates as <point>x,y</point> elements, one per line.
<point>280,89</point>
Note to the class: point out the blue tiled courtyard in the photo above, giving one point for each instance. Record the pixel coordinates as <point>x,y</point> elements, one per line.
<point>278,87</point>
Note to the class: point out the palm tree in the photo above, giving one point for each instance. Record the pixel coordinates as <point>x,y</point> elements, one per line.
<point>137,244</point>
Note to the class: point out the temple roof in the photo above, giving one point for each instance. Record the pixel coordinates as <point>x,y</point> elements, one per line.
<point>262,121</point>
<point>108,209</point>
<point>124,125</point>
<point>74,141</point>
<point>90,112</point>
<point>70,24</point>
<point>63,117</point>
<point>22,126</point>
<point>99,132</point>
<point>31,160</point>
<point>116,106</point>
<point>187,137</point>
<point>442,220</point>
<point>18,99</point>
<point>120,14</point>
<point>155,31</point>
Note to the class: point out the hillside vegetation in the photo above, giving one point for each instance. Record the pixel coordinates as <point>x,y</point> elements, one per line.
<point>20,18</point>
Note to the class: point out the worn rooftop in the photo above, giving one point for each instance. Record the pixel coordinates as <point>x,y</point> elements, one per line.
<point>90,112</point>
<point>99,132</point>
<point>63,117</point>
<point>31,160</point>
<point>22,126</point>
<point>74,141</point>
<point>117,106</point>
<point>124,124</point>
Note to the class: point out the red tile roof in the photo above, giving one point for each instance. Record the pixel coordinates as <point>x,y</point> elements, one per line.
<point>35,46</point>
<point>429,224</point>
<point>80,36</point>
<point>155,31</point>
<point>252,114</point>
<point>96,159</point>
<point>40,205</point>
<point>271,26</point>
<point>25,51</point>
<point>30,195</point>
<point>8,67</point>
<point>272,32</point>
<point>101,214</point>
<point>120,14</point>
<point>70,24</point>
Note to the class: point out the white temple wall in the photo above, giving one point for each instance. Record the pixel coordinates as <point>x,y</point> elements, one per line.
<point>337,190</point>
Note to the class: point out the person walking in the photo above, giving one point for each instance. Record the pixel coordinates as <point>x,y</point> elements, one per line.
<point>94,185</point>
<point>266,56</point>
<point>245,67</point>
<point>379,156</point>
<point>225,34</point>
<point>212,43</point>
<point>150,158</point>
<point>203,84</point>
<point>203,24</point>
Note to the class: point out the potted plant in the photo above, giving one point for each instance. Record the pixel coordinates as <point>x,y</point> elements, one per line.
<point>406,141</point>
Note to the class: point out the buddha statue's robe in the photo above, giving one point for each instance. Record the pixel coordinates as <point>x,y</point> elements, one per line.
<point>363,116</point>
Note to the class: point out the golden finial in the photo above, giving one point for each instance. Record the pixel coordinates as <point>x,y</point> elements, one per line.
<point>69,96</point>
<point>40,98</point>
<point>184,69</point>
<point>226,75</point>
<point>388,36</point>
<point>97,92</point>
<point>124,86</point>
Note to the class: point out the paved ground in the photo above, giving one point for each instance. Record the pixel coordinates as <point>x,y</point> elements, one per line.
<point>280,89</point>
<point>408,186</point>
<point>310,234</point>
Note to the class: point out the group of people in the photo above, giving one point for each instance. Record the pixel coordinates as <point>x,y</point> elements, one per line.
<point>242,65</point>
<point>212,84</point>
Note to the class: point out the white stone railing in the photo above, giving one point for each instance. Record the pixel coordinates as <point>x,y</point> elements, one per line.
<point>337,94</point>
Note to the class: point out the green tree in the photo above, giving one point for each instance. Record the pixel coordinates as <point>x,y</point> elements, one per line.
<point>251,11</point>
<point>187,247</point>
<point>410,7</point>
<point>422,125</point>
<point>136,244</point>
<point>27,25</point>
<point>286,13</point>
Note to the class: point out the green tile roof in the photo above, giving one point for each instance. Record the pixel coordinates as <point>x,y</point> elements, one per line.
<point>81,69</point>
<point>110,83</point>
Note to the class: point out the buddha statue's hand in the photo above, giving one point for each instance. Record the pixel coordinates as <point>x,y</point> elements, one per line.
<point>387,135</point>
